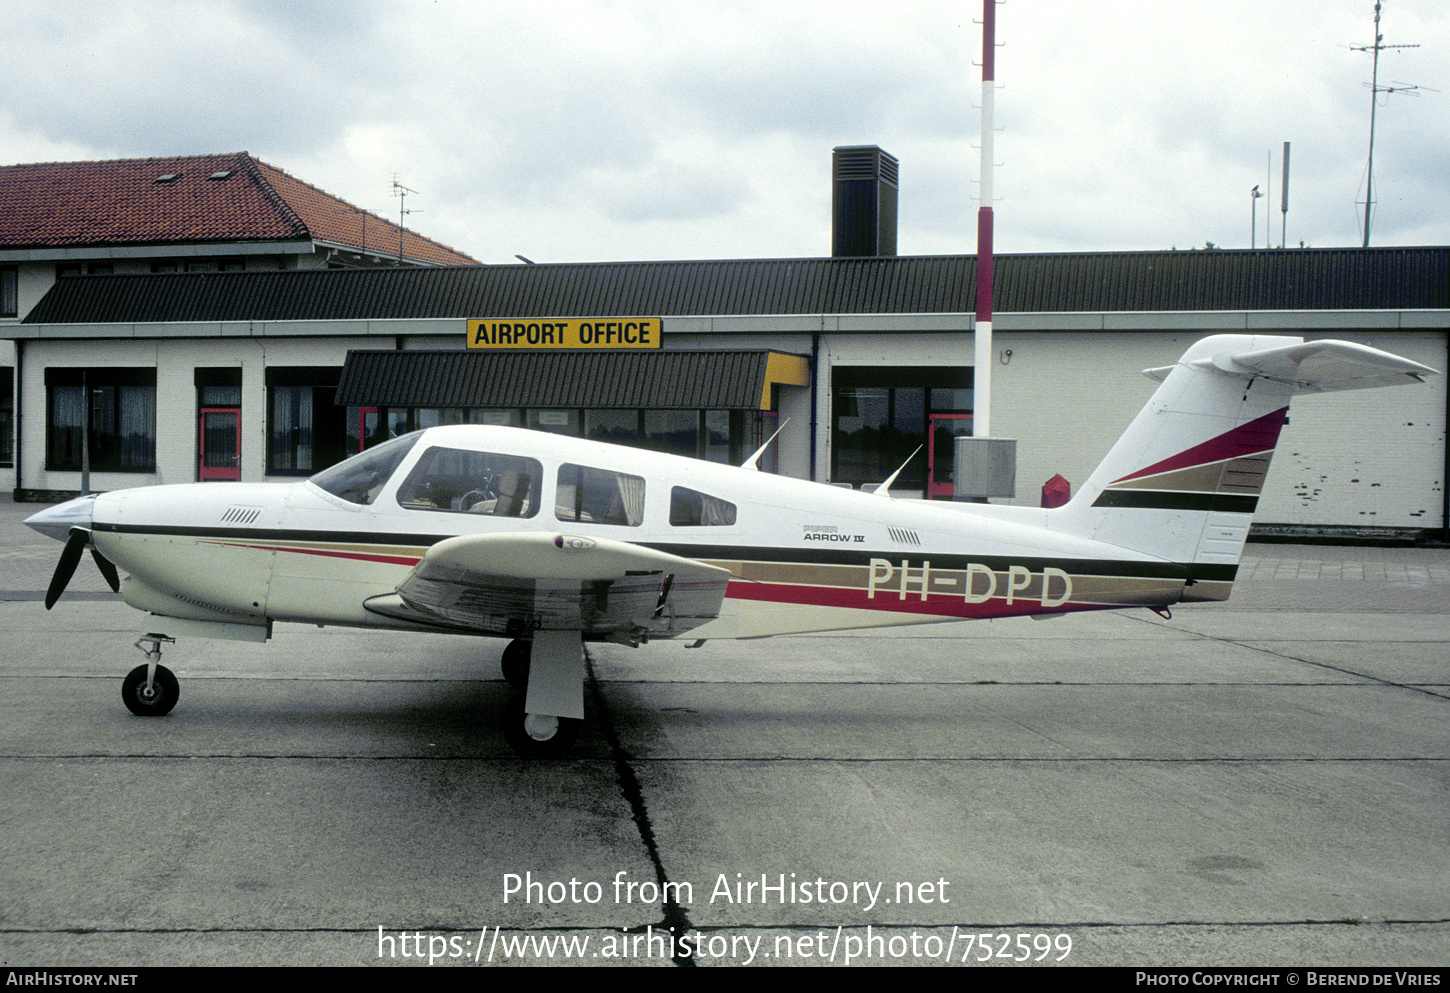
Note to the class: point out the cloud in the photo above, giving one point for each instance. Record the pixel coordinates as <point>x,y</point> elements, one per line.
<point>591,129</point>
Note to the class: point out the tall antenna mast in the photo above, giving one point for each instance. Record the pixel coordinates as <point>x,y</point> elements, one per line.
<point>401,192</point>
<point>1375,91</point>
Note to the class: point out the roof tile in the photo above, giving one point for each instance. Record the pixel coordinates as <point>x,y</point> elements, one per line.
<point>121,202</point>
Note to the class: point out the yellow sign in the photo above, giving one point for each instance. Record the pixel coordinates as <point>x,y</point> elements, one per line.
<point>566,332</point>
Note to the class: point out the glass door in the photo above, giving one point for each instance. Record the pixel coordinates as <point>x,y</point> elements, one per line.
<point>941,437</point>
<point>221,443</point>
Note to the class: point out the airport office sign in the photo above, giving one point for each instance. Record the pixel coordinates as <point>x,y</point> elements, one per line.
<point>566,332</point>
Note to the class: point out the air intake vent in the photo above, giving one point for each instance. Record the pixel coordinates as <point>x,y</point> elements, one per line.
<point>863,201</point>
<point>241,515</point>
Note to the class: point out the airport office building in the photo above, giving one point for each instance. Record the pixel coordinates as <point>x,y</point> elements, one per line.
<point>859,360</point>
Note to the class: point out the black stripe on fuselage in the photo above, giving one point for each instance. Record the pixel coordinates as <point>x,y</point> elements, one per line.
<point>1228,503</point>
<point>730,553</point>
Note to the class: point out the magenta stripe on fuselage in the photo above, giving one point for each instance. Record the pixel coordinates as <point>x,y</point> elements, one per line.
<point>1258,435</point>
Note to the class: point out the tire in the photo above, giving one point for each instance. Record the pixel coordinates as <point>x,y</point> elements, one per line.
<point>527,745</point>
<point>515,663</point>
<point>164,692</point>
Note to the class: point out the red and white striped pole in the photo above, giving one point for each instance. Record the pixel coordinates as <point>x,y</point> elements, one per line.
<point>982,375</point>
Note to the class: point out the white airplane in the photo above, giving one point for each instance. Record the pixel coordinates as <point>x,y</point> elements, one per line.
<point>553,541</point>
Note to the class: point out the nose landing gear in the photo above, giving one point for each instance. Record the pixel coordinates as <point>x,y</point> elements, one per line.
<point>151,689</point>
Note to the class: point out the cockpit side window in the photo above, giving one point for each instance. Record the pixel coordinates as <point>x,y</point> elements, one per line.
<point>599,496</point>
<point>360,478</point>
<point>464,482</point>
<point>692,509</point>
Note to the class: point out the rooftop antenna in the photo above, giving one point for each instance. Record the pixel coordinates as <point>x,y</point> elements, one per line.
<point>1375,91</point>
<point>363,213</point>
<point>401,192</point>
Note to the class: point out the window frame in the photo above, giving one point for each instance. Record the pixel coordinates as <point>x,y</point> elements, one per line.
<point>128,399</point>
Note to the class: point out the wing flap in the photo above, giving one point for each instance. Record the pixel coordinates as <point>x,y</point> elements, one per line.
<point>512,584</point>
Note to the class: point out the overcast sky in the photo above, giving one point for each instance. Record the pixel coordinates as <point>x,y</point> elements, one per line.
<point>585,130</point>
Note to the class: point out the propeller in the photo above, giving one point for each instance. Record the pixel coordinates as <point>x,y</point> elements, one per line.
<point>70,557</point>
<point>108,570</point>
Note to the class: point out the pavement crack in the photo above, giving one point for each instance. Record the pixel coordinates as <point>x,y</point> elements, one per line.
<point>1342,670</point>
<point>674,918</point>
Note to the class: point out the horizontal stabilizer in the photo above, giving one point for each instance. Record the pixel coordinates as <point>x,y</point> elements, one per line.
<point>1315,366</point>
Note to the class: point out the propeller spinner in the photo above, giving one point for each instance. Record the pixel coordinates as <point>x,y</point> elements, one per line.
<point>70,522</point>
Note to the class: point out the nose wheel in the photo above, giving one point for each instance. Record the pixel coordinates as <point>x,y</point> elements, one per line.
<point>538,736</point>
<point>546,714</point>
<point>150,689</point>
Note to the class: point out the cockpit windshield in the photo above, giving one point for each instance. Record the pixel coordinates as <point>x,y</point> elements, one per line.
<point>360,478</point>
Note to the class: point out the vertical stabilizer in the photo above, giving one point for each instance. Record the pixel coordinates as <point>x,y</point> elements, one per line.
<point>1184,480</point>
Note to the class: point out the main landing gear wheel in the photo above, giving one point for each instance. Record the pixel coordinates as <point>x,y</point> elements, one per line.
<point>538,736</point>
<point>153,700</point>
<point>515,663</point>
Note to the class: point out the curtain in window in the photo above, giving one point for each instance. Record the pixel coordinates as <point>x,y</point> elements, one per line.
<point>631,496</point>
<point>138,427</point>
<point>292,427</point>
<point>715,512</point>
<point>67,421</point>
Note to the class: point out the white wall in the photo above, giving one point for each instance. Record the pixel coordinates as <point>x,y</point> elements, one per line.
<point>175,360</point>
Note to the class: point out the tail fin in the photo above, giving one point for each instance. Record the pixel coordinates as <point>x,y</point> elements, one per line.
<point>1183,481</point>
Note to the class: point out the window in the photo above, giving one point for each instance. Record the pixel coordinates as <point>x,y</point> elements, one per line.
<point>880,415</point>
<point>67,269</point>
<point>306,431</point>
<point>360,478</point>
<point>122,412</point>
<point>7,414</point>
<point>691,508</point>
<point>9,291</point>
<point>465,482</point>
<point>598,496</point>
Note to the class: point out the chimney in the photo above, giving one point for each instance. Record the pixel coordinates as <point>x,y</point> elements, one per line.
<point>863,201</point>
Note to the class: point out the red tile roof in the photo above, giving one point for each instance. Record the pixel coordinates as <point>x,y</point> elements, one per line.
<point>211,198</point>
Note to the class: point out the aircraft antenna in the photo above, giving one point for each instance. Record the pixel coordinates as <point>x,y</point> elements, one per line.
<point>884,489</point>
<point>754,461</point>
<point>1375,91</point>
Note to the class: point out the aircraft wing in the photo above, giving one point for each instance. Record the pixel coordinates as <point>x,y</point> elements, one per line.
<point>511,584</point>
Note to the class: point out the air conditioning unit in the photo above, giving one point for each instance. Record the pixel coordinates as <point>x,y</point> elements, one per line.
<point>985,467</point>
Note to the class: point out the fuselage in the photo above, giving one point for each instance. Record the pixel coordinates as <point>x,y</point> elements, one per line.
<point>803,556</point>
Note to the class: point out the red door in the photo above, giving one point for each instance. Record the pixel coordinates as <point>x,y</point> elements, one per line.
<point>942,431</point>
<point>221,443</point>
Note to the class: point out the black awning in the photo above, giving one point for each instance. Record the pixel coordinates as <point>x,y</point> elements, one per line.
<point>734,380</point>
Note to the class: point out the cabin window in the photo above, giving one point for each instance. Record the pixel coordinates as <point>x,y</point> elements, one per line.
<point>361,478</point>
<point>691,508</point>
<point>599,496</point>
<point>464,482</point>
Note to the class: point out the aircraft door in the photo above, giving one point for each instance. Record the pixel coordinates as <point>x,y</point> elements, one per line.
<point>221,444</point>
